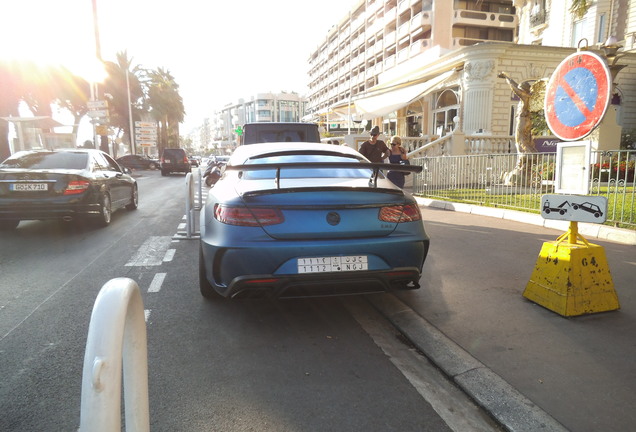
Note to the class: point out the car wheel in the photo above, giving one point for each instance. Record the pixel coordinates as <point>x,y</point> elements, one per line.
<point>164,173</point>
<point>10,224</point>
<point>134,199</point>
<point>207,290</point>
<point>105,210</point>
<point>152,166</point>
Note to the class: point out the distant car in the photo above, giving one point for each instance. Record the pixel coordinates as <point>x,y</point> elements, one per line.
<point>174,160</point>
<point>195,161</point>
<point>63,184</point>
<point>305,219</point>
<point>138,162</point>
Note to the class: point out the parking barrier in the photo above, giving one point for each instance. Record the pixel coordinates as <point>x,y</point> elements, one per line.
<point>117,332</point>
<point>193,185</point>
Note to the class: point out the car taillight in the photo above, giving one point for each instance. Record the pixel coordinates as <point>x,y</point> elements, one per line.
<point>186,160</point>
<point>399,214</point>
<point>76,187</point>
<point>247,217</point>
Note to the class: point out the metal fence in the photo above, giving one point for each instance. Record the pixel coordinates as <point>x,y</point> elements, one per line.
<point>517,182</point>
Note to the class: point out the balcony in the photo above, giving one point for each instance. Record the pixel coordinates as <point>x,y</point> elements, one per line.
<point>419,46</point>
<point>459,42</point>
<point>421,22</point>
<point>485,19</point>
<point>403,5</point>
<point>403,55</point>
<point>403,30</point>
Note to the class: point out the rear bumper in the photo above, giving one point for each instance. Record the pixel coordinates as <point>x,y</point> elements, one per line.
<point>43,212</point>
<point>317,285</point>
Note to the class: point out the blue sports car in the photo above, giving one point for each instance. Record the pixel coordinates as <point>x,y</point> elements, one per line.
<point>305,219</point>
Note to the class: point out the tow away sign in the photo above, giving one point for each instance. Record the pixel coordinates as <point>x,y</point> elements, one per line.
<point>576,208</point>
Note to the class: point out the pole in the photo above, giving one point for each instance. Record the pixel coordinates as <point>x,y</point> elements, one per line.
<point>133,149</point>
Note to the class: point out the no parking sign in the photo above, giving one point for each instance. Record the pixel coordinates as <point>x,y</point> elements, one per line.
<point>577,95</point>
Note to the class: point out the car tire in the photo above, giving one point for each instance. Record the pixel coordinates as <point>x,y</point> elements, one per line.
<point>152,166</point>
<point>207,290</point>
<point>105,210</point>
<point>134,199</point>
<point>164,173</point>
<point>6,225</point>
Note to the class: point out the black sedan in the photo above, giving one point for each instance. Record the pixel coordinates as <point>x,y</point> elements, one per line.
<point>63,184</point>
<point>138,162</point>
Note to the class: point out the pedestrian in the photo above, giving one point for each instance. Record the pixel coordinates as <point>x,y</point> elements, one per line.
<point>397,155</point>
<point>374,149</point>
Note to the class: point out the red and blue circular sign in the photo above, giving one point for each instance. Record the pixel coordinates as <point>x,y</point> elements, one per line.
<point>577,95</point>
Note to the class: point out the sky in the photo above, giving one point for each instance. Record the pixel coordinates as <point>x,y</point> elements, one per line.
<point>217,50</point>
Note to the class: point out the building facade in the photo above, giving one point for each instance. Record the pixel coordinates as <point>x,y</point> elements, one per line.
<point>426,68</point>
<point>262,107</point>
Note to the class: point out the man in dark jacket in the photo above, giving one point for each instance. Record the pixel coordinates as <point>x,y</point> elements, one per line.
<point>374,149</point>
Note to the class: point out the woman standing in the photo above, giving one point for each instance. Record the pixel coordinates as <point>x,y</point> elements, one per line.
<point>397,155</point>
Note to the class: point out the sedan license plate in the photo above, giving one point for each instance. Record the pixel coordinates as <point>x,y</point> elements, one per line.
<point>29,187</point>
<point>333,264</point>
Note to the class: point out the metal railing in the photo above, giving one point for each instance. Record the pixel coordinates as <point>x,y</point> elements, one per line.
<point>117,332</point>
<point>496,181</point>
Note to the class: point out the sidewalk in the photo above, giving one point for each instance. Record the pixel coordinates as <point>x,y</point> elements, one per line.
<point>530,368</point>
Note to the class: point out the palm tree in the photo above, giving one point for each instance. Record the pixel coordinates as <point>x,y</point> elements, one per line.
<point>116,91</point>
<point>73,93</point>
<point>166,106</point>
<point>10,92</point>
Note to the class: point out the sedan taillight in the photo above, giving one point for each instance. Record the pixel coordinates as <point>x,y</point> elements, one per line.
<point>399,214</point>
<point>76,187</point>
<point>247,217</point>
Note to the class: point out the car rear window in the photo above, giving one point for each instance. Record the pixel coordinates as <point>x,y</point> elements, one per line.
<point>305,172</point>
<point>44,160</point>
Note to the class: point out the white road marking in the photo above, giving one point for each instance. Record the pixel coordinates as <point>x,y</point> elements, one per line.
<point>169,255</point>
<point>146,314</point>
<point>157,282</point>
<point>151,253</point>
<point>181,226</point>
<point>452,405</point>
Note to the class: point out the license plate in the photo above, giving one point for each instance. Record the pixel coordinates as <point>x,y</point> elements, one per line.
<point>333,264</point>
<point>166,160</point>
<point>29,187</point>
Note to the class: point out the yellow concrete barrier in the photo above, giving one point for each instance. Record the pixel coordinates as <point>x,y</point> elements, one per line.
<point>572,278</point>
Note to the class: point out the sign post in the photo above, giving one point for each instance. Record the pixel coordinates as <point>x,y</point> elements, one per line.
<point>577,95</point>
<point>571,276</point>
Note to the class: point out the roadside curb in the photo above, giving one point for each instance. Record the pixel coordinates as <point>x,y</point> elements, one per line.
<point>599,231</point>
<point>505,404</point>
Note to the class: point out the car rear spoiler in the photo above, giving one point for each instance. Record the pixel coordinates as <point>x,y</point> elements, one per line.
<point>373,181</point>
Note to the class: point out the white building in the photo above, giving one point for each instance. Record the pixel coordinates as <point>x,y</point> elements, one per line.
<point>425,68</point>
<point>261,107</point>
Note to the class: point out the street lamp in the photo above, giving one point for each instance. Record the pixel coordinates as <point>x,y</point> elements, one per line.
<point>610,48</point>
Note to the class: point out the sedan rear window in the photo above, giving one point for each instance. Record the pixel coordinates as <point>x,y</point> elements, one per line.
<point>305,172</point>
<point>47,160</point>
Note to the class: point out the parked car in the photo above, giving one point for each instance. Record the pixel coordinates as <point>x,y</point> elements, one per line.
<point>138,162</point>
<point>305,219</point>
<point>174,160</point>
<point>63,184</point>
<point>195,161</point>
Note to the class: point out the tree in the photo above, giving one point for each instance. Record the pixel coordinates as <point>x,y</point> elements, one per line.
<point>166,106</point>
<point>10,90</point>
<point>73,93</point>
<point>116,92</point>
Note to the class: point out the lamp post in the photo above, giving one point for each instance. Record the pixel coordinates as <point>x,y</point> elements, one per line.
<point>610,48</point>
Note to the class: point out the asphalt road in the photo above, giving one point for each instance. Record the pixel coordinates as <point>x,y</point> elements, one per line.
<point>262,365</point>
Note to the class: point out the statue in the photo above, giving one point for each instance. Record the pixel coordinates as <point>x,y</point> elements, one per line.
<point>523,131</point>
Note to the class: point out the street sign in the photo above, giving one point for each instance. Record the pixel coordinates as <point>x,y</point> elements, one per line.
<point>577,95</point>
<point>141,124</point>
<point>146,130</point>
<point>98,113</point>
<point>576,208</point>
<point>97,104</point>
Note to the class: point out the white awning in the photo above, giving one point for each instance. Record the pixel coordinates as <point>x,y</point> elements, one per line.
<point>393,99</point>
